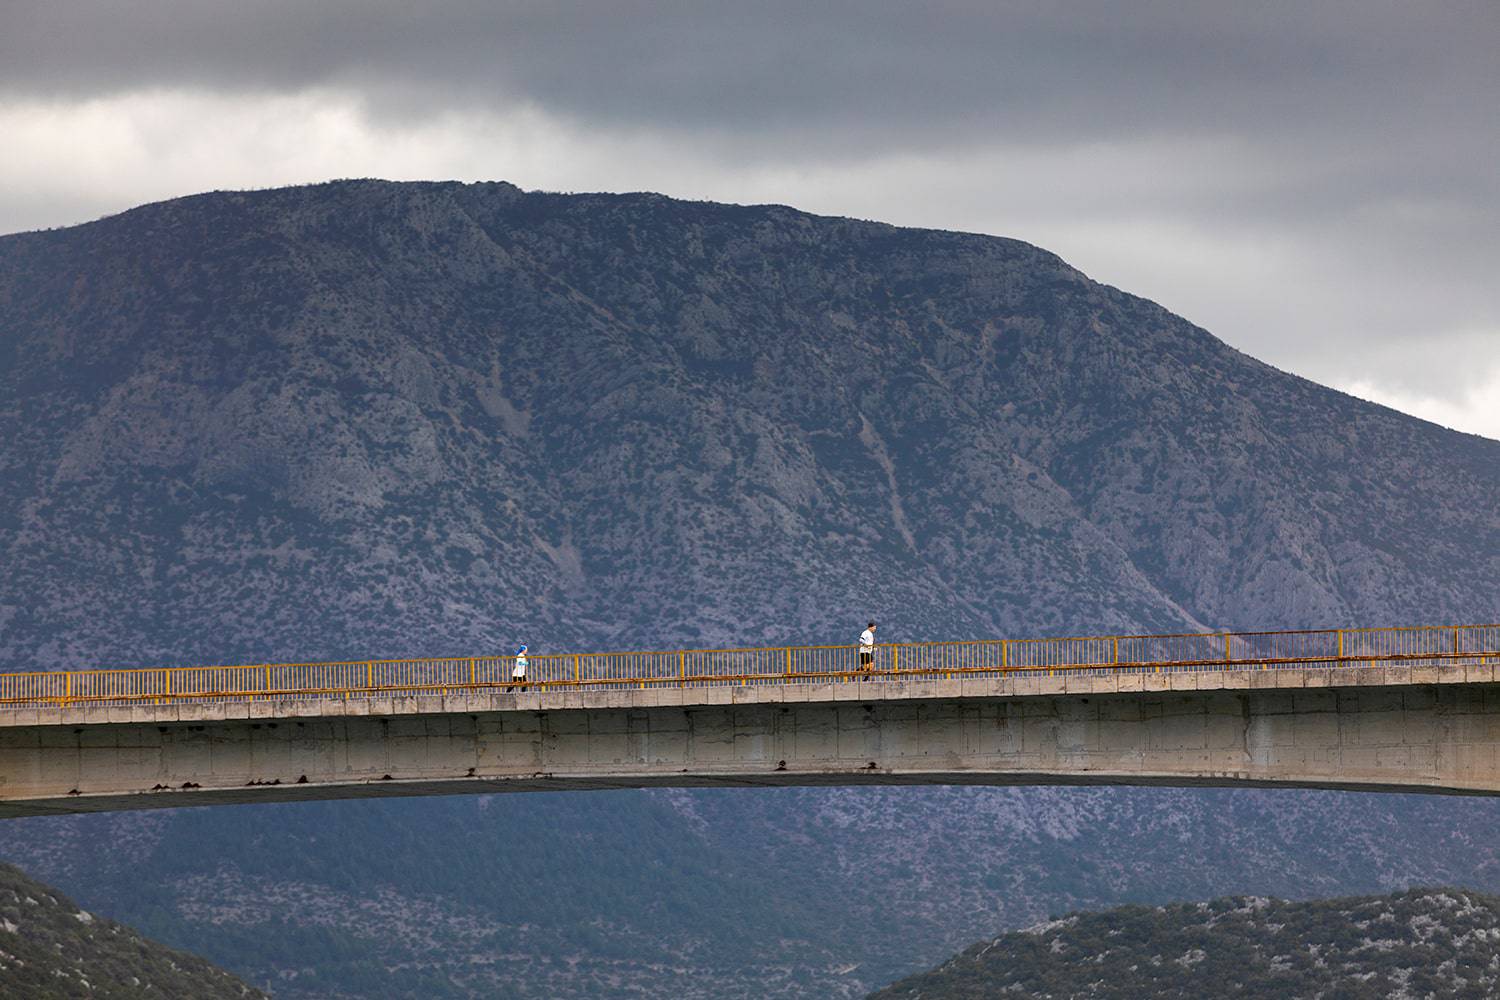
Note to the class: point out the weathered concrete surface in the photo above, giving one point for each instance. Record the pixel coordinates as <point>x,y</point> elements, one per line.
<point>1408,728</point>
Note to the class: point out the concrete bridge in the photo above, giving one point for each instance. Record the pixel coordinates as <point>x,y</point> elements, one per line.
<point>1399,709</point>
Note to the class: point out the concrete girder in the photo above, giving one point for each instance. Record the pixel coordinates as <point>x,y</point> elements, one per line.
<point>1364,729</point>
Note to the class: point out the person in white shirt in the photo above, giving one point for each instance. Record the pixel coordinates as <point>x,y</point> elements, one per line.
<point>518,672</point>
<point>867,648</point>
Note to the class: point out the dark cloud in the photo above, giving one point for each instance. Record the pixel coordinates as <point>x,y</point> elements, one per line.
<point>1376,69</point>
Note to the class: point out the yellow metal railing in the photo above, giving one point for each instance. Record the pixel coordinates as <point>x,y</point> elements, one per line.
<point>1437,645</point>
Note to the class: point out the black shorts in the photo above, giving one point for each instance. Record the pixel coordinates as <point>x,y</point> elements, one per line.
<point>865,659</point>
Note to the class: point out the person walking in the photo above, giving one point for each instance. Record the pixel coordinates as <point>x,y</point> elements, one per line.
<point>867,648</point>
<point>518,672</point>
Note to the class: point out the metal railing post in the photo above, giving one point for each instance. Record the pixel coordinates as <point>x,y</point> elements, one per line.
<point>577,673</point>
<point>1341,643</point>
<point>369,675</point>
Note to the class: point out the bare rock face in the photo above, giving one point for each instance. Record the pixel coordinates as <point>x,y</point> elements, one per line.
<point>372,419</point>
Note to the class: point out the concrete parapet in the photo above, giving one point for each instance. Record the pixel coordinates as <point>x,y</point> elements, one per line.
<point>1018,684</point>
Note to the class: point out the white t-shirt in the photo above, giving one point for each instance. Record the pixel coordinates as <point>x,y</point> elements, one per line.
<point>867,641</point>
<point>520,668</point>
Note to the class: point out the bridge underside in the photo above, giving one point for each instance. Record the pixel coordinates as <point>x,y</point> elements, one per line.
<point>1370,730</point>
<point>469,786</point>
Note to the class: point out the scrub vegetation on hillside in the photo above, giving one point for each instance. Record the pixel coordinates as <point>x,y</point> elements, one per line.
<point>1421,943</point>
<point>52,950</point>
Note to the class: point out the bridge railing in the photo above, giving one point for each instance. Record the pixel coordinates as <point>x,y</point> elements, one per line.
<point>764,665</point>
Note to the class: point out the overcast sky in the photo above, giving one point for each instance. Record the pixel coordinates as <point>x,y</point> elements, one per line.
<point>1316,183</point>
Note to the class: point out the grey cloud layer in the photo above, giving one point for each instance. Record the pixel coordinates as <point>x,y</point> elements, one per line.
<point>865,67</point>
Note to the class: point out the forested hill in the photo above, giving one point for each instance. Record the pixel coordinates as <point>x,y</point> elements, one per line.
<point>376,419</point>
<point>51,950</point>
<point>1421,943</point>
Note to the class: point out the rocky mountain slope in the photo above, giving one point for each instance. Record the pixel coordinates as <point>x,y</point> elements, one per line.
<point>1421,943</point>
<point>366,418</point>
<point>419,419</point>
<point>49,949</point>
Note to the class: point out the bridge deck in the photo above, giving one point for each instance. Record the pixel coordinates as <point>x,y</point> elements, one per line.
<point>1417,710</point>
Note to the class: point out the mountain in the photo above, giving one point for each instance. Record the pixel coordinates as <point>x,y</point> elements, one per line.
<point>49,948</point>
<point>1421,943</point>
<point>420,419</point>
<point>373,419</point>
